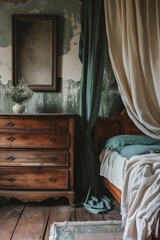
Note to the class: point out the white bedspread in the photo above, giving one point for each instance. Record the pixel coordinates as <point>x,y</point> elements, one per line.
<point>112,167</point>
<point>141,197</point>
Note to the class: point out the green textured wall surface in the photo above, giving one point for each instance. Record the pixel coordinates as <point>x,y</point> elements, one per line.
<point>66,99</point>
<point>111,102</point>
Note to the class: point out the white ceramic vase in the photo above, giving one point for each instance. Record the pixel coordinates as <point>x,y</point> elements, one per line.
<point>18,108</point>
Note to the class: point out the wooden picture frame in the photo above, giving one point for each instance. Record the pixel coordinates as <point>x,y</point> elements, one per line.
<point>34,50</point>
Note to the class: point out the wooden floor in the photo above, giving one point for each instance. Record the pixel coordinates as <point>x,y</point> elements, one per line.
<point>31,221</point>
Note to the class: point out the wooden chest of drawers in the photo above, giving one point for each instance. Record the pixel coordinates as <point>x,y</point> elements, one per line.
<point>37,156</point>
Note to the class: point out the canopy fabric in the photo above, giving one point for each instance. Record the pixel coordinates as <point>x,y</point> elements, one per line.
<point>91,53</point>
<point>133,32</point>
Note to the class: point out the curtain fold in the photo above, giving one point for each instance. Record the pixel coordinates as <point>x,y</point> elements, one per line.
<point>133,32</point>
<point>91,54</point>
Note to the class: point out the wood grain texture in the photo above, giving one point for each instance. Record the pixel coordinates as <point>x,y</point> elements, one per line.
<point>33,178</point>
<point>113,189</point>
<point>37,154</point>
<point>32,223</point>
<point>10,215</point>
<point>33,157</point>
<point>37,196</point>
<point>116,125</point>
<point>84,215</point>
<point>58,214</point>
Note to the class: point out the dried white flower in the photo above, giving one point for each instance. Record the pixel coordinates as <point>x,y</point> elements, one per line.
<point>20,93</point>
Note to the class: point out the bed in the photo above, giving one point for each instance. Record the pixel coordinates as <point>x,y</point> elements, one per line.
<point>106,128</point>
<point>116,179</point>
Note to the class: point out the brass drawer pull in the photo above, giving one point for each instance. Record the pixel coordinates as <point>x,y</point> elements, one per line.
<point>11,179</point>
<point>11,158</point>
<point>10,124</point>
<point>52,179</point>
<point>53,139</point>
<point>53,158</point>
<point>11,139</point>
<point>52,124</point>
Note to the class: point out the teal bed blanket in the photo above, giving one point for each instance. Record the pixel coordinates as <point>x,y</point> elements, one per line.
<point>130,145</point>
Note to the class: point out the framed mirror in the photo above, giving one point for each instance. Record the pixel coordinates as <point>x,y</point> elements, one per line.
<point>34,50</point>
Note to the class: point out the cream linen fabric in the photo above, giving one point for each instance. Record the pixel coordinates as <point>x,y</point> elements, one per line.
<point>112,167</point>
<point>133,31</point>
<point>141,197</point>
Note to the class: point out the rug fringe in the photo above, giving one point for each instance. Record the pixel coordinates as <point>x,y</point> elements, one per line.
<point>88,222</point>
<point>56,225</point>
<point>53,234</point>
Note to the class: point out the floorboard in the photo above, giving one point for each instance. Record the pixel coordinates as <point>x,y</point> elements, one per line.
<point>9,216</point>
<point>32,221</point>
<point>58,214</point>
<point>83,214</point>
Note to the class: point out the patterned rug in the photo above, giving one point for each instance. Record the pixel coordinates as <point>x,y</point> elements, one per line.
<point>99,230</point>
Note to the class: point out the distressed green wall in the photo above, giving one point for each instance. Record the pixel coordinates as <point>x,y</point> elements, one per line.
<point>69,66</point>
<point>111,102</point>
<point>66,99</point>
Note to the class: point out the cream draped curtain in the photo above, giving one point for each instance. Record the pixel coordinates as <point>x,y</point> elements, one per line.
<point>133,32</point>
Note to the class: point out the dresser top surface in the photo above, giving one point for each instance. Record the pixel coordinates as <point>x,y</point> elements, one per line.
<point>36,115</point>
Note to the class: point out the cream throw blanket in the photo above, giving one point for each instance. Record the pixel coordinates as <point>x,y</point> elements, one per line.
<point>141,197</point>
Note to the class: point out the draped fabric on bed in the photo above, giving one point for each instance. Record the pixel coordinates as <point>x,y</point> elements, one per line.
<point>133,32</point>
<point>91,53</point>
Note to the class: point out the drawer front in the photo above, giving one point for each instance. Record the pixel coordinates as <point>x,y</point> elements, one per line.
<point>33,158</point>
<point>34,140</point>
<point>33,123</point>
<point>28,178</point>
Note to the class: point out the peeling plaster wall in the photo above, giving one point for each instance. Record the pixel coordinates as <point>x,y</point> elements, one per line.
<point>69,66</point>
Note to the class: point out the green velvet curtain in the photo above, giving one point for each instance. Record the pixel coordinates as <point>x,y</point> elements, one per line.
<point>91,53</point>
